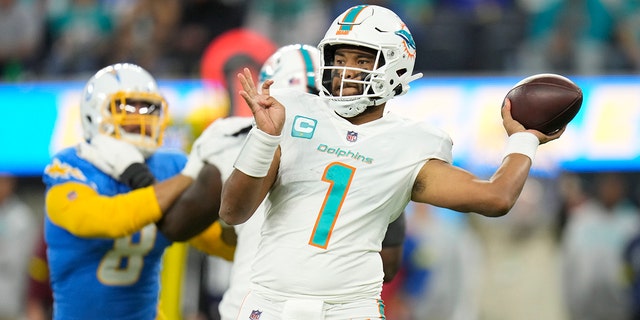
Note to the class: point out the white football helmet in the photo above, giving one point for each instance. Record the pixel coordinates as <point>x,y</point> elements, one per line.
<point>372,27</point>
<point>123,101</point>
<point>293,66</point>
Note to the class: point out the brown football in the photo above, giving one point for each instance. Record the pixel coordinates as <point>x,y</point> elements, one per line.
<point>545,102</point>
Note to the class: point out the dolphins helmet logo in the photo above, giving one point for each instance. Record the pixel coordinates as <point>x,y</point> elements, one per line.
<point>407,39</point>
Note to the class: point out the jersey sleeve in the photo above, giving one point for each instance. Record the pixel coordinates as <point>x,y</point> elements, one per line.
<point>82,211</point>
<point>229,135</point>
<point>437,145</point>
<point>88,203</point>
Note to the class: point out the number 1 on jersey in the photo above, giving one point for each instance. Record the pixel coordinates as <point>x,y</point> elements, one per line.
<point>339,176</point>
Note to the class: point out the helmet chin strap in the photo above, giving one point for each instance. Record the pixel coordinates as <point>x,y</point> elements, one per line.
<point>378,101</point>
<point>351,108</point>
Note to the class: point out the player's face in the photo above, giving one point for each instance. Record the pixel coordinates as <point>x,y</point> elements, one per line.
<point>353,58</point>
<point>138,108</point>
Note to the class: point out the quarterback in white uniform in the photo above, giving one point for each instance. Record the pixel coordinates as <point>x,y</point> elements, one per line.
<point>336,192</point>
<point>294,67</point>
<point>338,168</point>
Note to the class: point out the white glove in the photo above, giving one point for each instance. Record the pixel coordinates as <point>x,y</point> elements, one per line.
<point>200,149</point>
<point>114,157</point>
<point>219,136</point>
<point>193,166</point>
<point>213,141</point>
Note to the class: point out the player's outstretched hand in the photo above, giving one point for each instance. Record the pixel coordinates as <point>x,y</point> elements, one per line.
<point>512,126</point>
<point>268,113</point>
<point>119,159</point>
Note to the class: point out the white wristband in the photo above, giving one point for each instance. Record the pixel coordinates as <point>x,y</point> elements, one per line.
<point>257,153</point>
<point>524,143</point>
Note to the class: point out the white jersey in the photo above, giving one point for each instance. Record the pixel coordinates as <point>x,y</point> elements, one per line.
<point>339,186</point>
<point>230,138</point>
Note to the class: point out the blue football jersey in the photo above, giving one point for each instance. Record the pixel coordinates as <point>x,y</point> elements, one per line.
<point>102,278</point>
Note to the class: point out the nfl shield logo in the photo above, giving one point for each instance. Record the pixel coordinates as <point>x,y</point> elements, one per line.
<point>255,315</point>
<point>352,136</point>
<point>72,196</point>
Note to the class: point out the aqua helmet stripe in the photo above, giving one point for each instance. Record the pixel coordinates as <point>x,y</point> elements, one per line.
<point>349,19</point>
<point>309,69</point>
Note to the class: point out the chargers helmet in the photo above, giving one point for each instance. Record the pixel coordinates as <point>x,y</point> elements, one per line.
<point>123,101</point>
<point>375,28</point>
<point>293,66</point>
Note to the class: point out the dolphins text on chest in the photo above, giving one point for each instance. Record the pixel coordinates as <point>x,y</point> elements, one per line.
<point>344,153</point>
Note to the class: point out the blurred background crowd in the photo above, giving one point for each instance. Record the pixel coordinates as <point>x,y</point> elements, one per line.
<point>54,39</point>
<point>566,251</point>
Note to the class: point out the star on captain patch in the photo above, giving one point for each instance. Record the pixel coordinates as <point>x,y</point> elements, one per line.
<point>255,315</point>
<point>352,136</point>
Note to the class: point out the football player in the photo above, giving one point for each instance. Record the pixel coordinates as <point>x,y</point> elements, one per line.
<point>337,168</point>
<point>117,200</point>
<point>293,67</point>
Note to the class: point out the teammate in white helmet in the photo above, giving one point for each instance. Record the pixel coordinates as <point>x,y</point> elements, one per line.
<point>117,200</point>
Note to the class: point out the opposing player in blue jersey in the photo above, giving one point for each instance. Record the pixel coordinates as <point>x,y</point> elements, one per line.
<point>338,168</point>
<point>116,201</point>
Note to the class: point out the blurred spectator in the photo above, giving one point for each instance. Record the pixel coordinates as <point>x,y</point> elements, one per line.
<point>39,305</point>
<point>289,21</point>
<point>546,43</point>
<point>631,258</point>
<point>18,232</point>
<point>20,38</point>
<point>80,35</point>
<point>596,233</point>
<point>439,273</point>
<point>201,21</point>
<point>577,36</point>
<point>520,278</point>
<point>628,35</point>
<point>144,32</point>
<point>462,35</point>
<point>595,36</point>
<point>449,248</point>
<point>572,195</point>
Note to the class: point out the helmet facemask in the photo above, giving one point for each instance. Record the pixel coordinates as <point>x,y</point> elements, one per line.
<point>123,101</point>
<point>381,32</point>
<point>371,83</point>
<point>137,118</point>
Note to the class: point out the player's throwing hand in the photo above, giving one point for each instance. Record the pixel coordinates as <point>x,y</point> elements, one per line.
<point>267,111</point>
<point>512,126</point>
